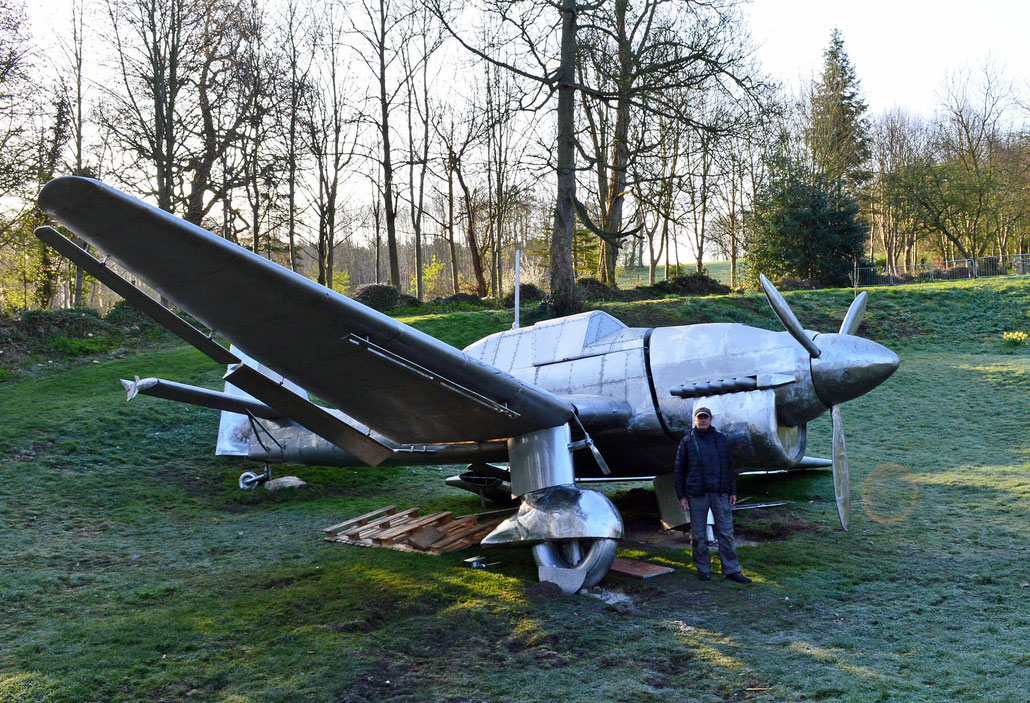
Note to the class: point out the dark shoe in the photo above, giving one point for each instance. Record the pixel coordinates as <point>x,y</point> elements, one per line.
<point>738,577</point>
<point>703,577</point>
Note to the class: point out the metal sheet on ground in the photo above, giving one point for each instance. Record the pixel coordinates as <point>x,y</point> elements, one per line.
<point>639,569</point>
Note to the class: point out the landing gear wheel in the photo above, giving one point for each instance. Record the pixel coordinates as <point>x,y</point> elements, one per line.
<point>249,479</point>
<point>594,556</point>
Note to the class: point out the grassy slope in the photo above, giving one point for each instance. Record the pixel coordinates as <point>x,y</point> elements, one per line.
<point>719,270</point>
<point>132,568</point>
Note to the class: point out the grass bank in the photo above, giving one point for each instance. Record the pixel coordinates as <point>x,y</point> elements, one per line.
<point>133,569</point>
<point>968,315</point>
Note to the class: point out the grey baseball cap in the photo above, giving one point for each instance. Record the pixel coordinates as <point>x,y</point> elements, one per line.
<point>702,411</point>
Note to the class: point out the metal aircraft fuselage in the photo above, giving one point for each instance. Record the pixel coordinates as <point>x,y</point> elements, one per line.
<point>762,387</point>
<point>532,398</point>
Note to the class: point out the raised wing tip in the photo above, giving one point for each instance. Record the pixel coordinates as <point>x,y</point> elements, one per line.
<point>58,190</point>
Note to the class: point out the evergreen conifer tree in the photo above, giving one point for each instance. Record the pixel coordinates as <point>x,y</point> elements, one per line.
<point>838,134</point>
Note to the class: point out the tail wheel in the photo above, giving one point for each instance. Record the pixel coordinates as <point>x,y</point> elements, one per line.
<point>248,480</point>
<point>594,556</point>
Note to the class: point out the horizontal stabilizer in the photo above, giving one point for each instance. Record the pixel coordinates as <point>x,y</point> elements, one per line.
<point>217,400</point>
<point>143,302</point>
<point>757,506</point>
<point>813,462</point>
<point>306,414</point>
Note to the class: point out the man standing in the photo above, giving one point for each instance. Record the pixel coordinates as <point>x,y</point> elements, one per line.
<point>705,479</point>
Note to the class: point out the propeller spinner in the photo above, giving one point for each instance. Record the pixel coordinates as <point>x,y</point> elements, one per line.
<point>843,367</point>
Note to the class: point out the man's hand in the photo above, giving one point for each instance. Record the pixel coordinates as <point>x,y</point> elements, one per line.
<point>733,500</point>
<point>684,503</point>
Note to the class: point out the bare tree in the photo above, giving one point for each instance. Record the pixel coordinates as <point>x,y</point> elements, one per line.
<point>898,146</point>
<point>381,28</point>
<point>958,187</point>
<point>180,102</point>
<point>332,135</point>
<point>293,89</point>
<point>261,164</point>
<point>16,112</point>
<point>73,86</point>
<point>415,58</point>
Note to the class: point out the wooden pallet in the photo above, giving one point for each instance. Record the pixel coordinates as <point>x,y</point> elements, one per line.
<point>406,530</point>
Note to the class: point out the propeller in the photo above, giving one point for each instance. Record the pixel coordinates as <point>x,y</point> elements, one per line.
<point>854,317</point>
<point>787,317</point>
<point>849,326</point>
<point>841,479</point>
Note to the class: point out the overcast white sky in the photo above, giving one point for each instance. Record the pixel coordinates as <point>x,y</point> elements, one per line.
<point>902,50</point>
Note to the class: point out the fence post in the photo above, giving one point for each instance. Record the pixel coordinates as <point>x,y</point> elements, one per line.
<point>969,269</point>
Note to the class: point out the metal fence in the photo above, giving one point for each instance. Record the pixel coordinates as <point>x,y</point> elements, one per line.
<point>1009,265</point>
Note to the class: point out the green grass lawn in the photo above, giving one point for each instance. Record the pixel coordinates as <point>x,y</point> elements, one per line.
<point>133,569</point>
<point>637,276</point>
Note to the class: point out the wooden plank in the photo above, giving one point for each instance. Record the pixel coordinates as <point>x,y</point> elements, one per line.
<point>459,524</point>
<point>380,524</point>
<point>359,520</point>
<point>437,533</point>
<point>473,535</point>
<point>402,530</point>
<point>455,546</point>
<point>425,537</point>
<point>467,533</point>
<point>487,528</point>
<point>638,569</point>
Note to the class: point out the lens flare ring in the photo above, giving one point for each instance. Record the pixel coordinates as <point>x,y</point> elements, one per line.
<point>890,493</point>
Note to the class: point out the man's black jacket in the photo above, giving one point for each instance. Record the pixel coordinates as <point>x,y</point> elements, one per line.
<point>704,455</point>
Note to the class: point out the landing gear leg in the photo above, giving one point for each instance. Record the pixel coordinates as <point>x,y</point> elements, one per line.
<point>249,479</point>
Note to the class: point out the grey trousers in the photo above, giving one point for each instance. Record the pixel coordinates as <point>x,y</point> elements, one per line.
<point>720,505</point>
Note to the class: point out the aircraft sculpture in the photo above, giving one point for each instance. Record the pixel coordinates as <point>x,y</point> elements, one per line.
<point>531,410</point>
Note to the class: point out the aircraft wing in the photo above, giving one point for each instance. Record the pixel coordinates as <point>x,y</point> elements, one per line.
<point>401,382</point>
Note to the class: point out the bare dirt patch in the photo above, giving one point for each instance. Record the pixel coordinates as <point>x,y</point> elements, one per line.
<point>34,452</point>
<point>643,529</point>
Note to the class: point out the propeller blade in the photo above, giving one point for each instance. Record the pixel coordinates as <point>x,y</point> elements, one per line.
<point>854,317</point>
<point>601,463</point>
<point>599,459</point>
<point>841,480</point>
<point>787,317</point>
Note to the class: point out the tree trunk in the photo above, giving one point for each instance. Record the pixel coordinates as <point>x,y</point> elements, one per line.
<point>563,283</point>
<point>450,232</point>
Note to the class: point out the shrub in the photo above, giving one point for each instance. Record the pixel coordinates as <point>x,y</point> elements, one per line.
<point>125,315</point>
<point>788,283</point>
<point>463,299</point>
<point>528,293</point>
<point>407,301</point>
<point>377,296</point>
<point>694,284</point>
<point>592,289</point>
<point>76,322</point>
<point>74,346</point>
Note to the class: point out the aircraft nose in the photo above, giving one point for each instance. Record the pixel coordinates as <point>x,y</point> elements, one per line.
<point>850,366</point>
